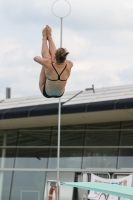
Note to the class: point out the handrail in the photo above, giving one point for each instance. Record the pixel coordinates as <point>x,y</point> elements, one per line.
<point>118,173</point>
<point>106,173</point>
<point>106,196</point>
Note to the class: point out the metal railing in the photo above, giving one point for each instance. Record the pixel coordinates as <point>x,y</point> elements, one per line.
<point>120,174</point>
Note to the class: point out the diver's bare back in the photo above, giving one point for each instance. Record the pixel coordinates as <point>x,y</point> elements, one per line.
<point>56,87</point>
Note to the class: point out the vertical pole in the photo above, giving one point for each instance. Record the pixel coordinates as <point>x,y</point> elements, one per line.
<point>8,93</point>
<point>58,151</point>
<point>2,164</point>
<point>119,144</point>
<point>59,122</point>
<point>61,19</point>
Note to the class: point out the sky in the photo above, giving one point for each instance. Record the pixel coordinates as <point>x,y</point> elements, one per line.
<point>97,33</point>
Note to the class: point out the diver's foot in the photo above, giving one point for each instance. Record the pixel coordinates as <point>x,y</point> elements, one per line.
<point>44,32</point>
<point>49,31</point>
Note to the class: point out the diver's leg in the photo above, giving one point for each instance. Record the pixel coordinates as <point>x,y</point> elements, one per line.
<point>45,49</point>
<point>52,47</point>
<point>46,55</point>
<point>42,79</point>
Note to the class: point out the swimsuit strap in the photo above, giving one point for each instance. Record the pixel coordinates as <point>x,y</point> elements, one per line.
<point>55,69</point>
<point>63,70</point>
<point>57,72</point>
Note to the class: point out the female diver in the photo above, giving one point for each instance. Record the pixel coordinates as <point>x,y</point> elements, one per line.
<point>55,68</point>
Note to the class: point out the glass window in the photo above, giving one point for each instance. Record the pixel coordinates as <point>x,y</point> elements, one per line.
<point>69,158</point>
<point>104,134</point>
<point>1,138</point>
<point>5,185</point>
<point>32,158</point>
<point>12,136</point>
<point>0,157</point>
<point>125,158</point>
<point>27,186</point>
<point>126,138</point>
<point>127,134</point>
<point>100,158</point>
<point>24,158</point>
<point>7,158</point>
<point>102,138</point>
<point>68,138</point>
<point>35,137</point>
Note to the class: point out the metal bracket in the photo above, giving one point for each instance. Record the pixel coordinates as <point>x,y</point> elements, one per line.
<point>53,183</point>
<point>91,89</point>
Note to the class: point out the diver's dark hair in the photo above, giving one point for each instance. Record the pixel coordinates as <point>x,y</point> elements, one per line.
<point>61,55</point>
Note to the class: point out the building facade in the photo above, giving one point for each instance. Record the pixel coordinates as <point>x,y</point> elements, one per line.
<point>96,136</point>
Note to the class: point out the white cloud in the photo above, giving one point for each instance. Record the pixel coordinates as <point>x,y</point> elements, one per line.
<point>7,44</point>
<point>124,37</point>
<point>103,14</point>
<point>98,35</point>
<point>78,46</point>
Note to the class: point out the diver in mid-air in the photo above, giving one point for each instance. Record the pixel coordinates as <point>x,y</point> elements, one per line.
<point>55,68</point>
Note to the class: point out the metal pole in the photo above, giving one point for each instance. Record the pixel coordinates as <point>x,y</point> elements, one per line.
<point>59,115</point>
<point>59,105</point>
<point>59,123</point>
<point>58,150</point>
<point>8,93</point>
<point>61,25</point>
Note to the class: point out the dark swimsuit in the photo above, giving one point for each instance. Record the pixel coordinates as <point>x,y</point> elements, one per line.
<point>44,90</point>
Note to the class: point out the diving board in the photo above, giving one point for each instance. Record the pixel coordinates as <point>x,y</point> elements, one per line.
<point>112,189</point>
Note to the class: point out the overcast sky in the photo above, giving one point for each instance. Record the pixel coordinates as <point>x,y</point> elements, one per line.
<point>97,33</point>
